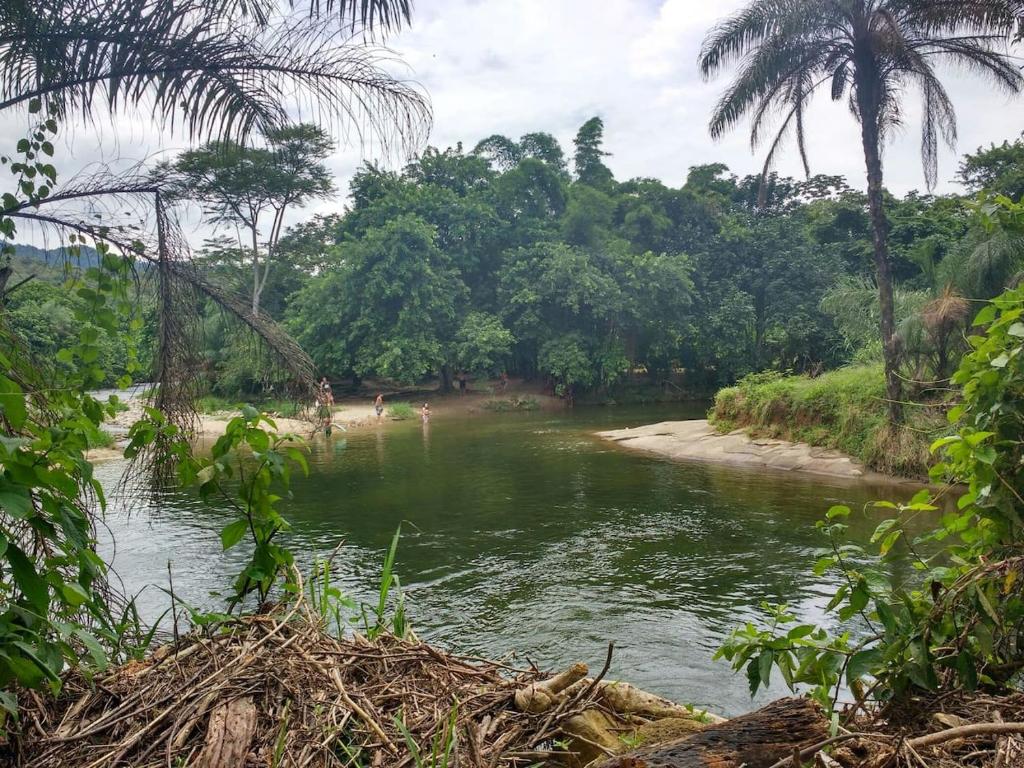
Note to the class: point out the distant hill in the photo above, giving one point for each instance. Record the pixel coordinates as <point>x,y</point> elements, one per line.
<point>56,257</point>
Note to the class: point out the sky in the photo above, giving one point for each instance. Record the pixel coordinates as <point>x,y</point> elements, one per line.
<point>517,66</point>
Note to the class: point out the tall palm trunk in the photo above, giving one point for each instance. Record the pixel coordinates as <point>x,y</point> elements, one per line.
<point>868,107</point>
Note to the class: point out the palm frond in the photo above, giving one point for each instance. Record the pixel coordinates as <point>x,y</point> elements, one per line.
<point>218,69</point>
<point>747,29</point>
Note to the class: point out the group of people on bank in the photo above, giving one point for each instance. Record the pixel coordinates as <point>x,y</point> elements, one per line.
<point>325,404</point>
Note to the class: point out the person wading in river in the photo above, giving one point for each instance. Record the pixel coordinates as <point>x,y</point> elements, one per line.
<point>378,405</point>
<point>425,413</point>
<point>325,411</point>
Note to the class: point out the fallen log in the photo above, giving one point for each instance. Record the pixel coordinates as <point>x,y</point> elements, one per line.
<point>755,740</point>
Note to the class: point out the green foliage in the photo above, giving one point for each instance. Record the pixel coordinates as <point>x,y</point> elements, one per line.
<point>957,620</point>
<point>55,610</point>
<point>997,170</point>
<point>248,470</point>
<point>253,188</point>
<point>389,310</point>
<point>401,411</point>
<point>842,409</point>
<point>250,466</point>
<point>481,344</point>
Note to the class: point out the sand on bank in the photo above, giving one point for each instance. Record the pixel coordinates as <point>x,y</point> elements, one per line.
<point>697,440</point>
<point>348,414</point>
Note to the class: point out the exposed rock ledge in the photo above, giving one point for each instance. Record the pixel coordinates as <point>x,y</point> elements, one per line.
<point>697,440</point>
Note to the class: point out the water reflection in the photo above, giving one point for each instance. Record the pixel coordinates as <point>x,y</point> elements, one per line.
<point>525,532</point>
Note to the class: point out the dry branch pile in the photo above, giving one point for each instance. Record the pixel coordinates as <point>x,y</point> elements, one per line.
<point>275,690</point>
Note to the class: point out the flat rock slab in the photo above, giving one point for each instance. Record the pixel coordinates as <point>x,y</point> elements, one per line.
<point>697,440</point>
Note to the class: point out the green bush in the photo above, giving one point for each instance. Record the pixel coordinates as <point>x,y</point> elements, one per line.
<point>953,622</point>
<point>842,409</point>
<point>401,411</point>
<point>97,437</point>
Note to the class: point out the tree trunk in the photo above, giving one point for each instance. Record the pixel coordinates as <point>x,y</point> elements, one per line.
<point>883,269</point>
<point>446,378</point>
<point>755,740</point>
<point>255,274</point>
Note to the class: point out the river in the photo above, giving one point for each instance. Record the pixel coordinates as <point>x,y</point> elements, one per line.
<point>525,532</point>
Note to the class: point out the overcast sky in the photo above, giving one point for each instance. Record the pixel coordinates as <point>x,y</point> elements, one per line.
<point>516,66</point>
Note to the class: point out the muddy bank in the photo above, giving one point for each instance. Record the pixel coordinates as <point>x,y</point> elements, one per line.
<point>697,440</point>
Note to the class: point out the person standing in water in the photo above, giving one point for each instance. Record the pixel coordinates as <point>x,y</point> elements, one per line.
<point>425,413</point>
<point>462,383</point>
<point>378,405</point>
<point>326,410</point>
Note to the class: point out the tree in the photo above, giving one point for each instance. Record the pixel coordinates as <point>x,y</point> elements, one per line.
<point>590,169</point>
<point>390,310</point>
<point>998,170</point>
<point>867,51</point>
<point>243,186</point>
<point>504,153</point>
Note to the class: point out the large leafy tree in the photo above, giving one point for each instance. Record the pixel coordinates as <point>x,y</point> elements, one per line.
<point>252,188</point>
<point>867,52</point>
<point>390,309</point>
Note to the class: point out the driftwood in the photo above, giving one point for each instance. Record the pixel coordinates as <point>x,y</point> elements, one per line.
<point>229,735</point>
<point>756,740</point>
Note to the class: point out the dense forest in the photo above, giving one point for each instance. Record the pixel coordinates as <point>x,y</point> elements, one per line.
<point>514,257</point>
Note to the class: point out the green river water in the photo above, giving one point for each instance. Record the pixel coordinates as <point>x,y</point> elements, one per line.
<point>525,532</point>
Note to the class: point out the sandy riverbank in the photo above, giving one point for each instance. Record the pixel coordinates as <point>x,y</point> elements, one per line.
<point>348,415</point>
<point>697,440</point>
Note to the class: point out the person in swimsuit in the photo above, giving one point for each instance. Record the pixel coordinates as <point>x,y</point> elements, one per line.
<point>425,413</point>
<point>378,405</point>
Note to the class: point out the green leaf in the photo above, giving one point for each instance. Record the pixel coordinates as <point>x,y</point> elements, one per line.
<point>764,665</point>
<point>15,500</point>
<point>986,315</point>
<point>12,400</point>
<point>753,676</point>
<point>801,631</point>
<point>861,664</point>
<point>74,595</point>
<point>233,533</point>
<point>31,584</point>
<point>92,645</point>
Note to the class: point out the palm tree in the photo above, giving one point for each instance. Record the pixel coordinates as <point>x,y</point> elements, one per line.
<point>867,52</point>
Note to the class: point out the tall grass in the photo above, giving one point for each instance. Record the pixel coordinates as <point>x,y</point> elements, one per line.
<point>338,611</point>
<point>843,409</point>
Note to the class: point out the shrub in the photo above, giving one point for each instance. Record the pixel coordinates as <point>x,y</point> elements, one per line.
<point>401,411</point>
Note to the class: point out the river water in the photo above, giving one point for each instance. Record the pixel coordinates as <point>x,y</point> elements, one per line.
<point>525,532</point>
